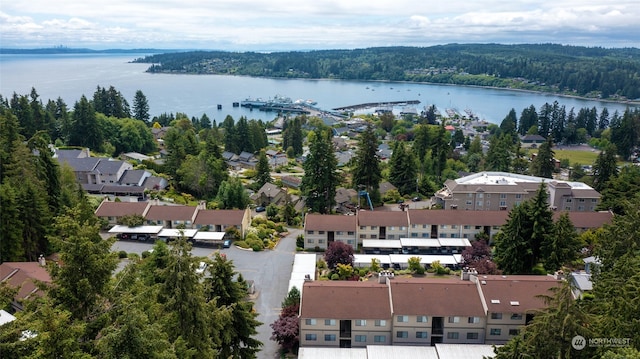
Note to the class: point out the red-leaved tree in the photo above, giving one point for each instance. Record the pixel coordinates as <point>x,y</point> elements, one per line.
<point>478,256</point>
<point>338,252</point>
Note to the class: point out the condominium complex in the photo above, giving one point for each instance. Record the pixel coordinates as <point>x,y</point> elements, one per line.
<point>493,191</point>
<point>419,311</point>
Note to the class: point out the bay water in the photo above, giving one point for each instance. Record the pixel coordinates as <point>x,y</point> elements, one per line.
<point>72,75</point>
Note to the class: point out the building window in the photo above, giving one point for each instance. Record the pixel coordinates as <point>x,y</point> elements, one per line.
<point>330,322</point>
<point>310,321</point>
<point>381,323</point>
<point>363,236</point>
<point>310,240</point>
<point>454,226</point>
<point>479,203</point>
<point>478,227</point>
<point>516,316</point>
<point>402,334</point>
<point>414,235</point>
<point>472,335</point>
<point>361,323</point>
<point>421,319</point>
<point>425,235</point>
<point>514,331</point>
<point>339,233</point>
<point>480,195</point>
<point>414,226</point>
<point>503,195</point>
<point>581,200</point>
<point>320,232</point>
<point>503,203</point>
<point>329,337</point>
<point>466,226</point>
<point>518,195</point>
<point>424,226</point>
<point>453,335</point>
<point>402,228</point>
<point>362,228</point>
<point>568,200</point>
<point>469,203</point>
<point>320,241</point>
<point>351,233</point>
<point>391,236</point>
<point>374,227</point>
<point>403,318</point>
<point>380,338</point>
<point>361,338</point>
<point>374,236</point>
<point>391,228</point>
<point>496,315</point>
<point>473,320</point>
<point>421,335</point>
<point>350,242</point>
<point>311,337</point>
<point>454,319</point>
<point>495,331</point>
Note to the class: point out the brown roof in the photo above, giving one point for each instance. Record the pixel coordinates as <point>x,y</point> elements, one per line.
<point>329,222</point>
<point>24,275</point>
<point>170,213</point>
<point>118,209</point>
<point>587,219</point>
<point>516,293</point>
<point>459,217</point>
<point>382,218</point>
<point>345,300</point>
<point>435,297</point>
<point>220,216</point>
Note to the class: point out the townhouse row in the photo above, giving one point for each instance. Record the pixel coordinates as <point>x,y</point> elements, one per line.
<point>419,311</point>
<point>320,230</point>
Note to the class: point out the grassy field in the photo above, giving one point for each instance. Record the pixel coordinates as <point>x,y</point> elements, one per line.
<point>575,156</point>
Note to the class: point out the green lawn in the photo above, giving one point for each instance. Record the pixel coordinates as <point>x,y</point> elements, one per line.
<point>575,156</point>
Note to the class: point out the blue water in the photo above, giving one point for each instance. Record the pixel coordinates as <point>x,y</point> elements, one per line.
<point>71,76</point>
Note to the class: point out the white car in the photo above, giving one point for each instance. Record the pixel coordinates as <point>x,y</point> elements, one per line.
<point>201,268</point>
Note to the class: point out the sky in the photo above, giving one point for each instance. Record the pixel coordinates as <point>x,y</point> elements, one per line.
<point>282,25</point>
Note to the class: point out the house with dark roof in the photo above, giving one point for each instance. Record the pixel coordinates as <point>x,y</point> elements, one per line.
<point>269,193</point>
<point>291,181</point>
<point>346,198</point>
<point>134,177</point>
<point>110,171</point>
<point>25,276</point>
<point>532,141</point>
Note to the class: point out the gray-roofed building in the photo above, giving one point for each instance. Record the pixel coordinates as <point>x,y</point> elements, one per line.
<point>155,183</point>
<point>83,168</point>
<point>134,177</point>
<point>135,156</point>
<point>269,193</point>
<point>581,283</point>
<point>62,154</point>
<point>109,171</point>
<point>532,141</point>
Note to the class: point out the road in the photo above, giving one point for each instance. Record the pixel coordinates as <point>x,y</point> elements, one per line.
<point>270,270</point>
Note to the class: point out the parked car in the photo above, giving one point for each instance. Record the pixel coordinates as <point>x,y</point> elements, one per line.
<point>260,209</point>
<point>226,243</point>
<point>416,199</point>
<point>201,267</point>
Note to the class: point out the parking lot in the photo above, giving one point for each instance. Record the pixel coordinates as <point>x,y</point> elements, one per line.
<point>270,270</point>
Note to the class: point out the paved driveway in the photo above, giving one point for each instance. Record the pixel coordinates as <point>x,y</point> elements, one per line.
<point>270,271</point>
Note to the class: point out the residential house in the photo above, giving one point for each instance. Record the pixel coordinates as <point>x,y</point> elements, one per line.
<point>219,220</point>
<point>25,276</point>
<point>135,156</point>
<point>170,216</point>
<point>345,314</point>
<point>382,225</point>
<point>320,230</point>
<point>532,141</point>
<point>385,187</point>
<point>291,181</point>
<point>112,211</point>
<point>269,193</point>
<point>503,191</point>
<point>346,198</point>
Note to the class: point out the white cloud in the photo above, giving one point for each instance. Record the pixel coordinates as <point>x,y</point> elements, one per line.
<point>282,24</point>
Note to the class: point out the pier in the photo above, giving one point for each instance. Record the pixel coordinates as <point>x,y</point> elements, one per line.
<point>376,104</point>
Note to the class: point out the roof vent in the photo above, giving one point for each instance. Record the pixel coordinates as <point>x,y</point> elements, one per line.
<point>515,302</point>
<point>483,282</point>
<point>495,301</point>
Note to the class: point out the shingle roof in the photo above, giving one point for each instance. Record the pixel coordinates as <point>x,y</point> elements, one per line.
<point>345,300</point>
<point>118,209</point>
<point>220,216</point>
<point>382,218</point>
<point>435,297</point>
<point>516,293</point>
<point>326,222</point>
<point>23,275</point>
<point>132,177</point>
<point>170,213</point>
<point>111,167</point>
<point>85,164</point>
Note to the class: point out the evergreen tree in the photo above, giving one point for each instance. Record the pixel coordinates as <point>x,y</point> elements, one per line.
<point>366,171</point>
<point>320,173</point>
<point>402,173</point>
<point>238,341</point>
<point>543,165</point>
<point>528,119</point>
<point>86,131</point>
<point>561,246</point>
<point>509,124</point>
<point>232,195</point>
<point>499,154</point>
<point>625,185</point>
<point>605,168</point>
<point>231,142</point>
<point>263,170</point>
<point>141,107</point>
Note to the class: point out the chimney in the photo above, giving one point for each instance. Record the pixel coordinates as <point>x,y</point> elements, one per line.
<point>42,261</point>
<point>202,205</point>
<point>384,276</point>
<point>469,274</point>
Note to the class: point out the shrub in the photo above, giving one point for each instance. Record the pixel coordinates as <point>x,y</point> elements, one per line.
<point>122,254</point>
<point>335,276</point>
<point>300,241</point>
<point>145,254</point>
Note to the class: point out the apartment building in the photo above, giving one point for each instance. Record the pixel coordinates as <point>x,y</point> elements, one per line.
<point>320,230</point>
<point>421,224</point>
<point>419,311</point>
<point>493,191</point>
<point>341,314</point>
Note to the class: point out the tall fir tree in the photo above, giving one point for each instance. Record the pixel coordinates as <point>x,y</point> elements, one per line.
<point>366,172</point>
<point>544,163</point>
<point>320,173</point>
<point>402,173</point>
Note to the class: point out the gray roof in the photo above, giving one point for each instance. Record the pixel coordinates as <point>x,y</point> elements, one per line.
<point>582,281</point>
<point>107,166</point>
<point>133,177</point>
<point>64,154</point>
<point>153,181</point>
<point>85,164</point>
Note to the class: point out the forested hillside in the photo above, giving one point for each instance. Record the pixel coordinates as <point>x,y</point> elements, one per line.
<point>582,71</point>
